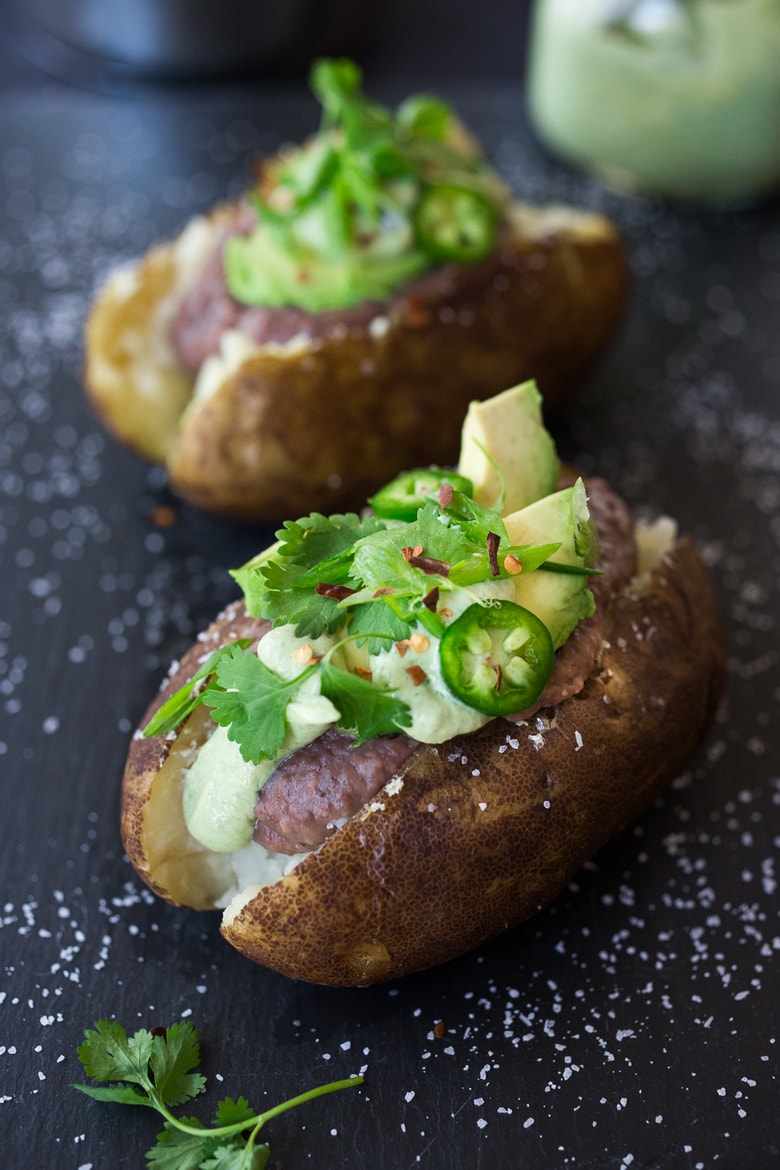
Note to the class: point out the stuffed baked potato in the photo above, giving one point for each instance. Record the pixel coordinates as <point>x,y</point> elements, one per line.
<point>518,707</point>
<point>298,348</point>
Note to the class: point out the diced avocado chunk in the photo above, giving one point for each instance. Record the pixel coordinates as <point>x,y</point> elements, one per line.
<point>561,600</point>
<point>506,437</point>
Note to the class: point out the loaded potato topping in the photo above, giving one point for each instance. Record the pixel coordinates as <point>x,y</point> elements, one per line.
<point>433,613</point>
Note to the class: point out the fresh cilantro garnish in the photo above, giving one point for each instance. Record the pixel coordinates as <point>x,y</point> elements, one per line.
<point>366,711</point>
<point>311,550</point>
<point>184,701</point>
<point>155,1069</point>
<point>251,701</point>
<point>366,580</point>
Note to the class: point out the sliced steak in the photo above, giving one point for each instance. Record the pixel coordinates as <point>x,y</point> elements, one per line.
<point>315,787</point>
<point>208,310</point>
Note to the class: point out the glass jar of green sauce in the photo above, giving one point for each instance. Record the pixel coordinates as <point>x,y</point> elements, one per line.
<point>676,98</point>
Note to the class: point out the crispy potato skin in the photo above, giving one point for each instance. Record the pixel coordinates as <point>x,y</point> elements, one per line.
<point>323,428</point>
<point>487,829</point>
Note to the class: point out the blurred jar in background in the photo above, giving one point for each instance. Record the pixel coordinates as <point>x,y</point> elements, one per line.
<point>676,98</point>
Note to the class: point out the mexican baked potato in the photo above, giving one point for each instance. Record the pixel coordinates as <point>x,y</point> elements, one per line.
<point>271,378</point>
<point>387,838</point>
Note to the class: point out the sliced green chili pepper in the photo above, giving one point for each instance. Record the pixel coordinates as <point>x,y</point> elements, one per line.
<point>403,497</point>
<point>455,223</point>
<point>497,658</point>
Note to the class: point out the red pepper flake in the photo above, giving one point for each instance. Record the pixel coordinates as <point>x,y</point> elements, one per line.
<point>337,592</point>
<point>402,647</point>
<point>417,314</point>
<point>416,674</point>
<point>498,677</point>
<point>512,565</point>
<point>158,1031</point>
<point>362,672</point>
<point>438,1029</point>
<point>305,655</point>
<point>385,591</point>
<point>445,611</point>
<point>411,552</point>
<point>431,600</point>
<point>493,541</point>
<point>428,565</point>
<point>164,516</point>
<point>445,495</point>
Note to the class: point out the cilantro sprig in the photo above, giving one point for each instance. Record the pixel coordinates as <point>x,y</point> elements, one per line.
<point>251,701</point>
<point>156,1069</point>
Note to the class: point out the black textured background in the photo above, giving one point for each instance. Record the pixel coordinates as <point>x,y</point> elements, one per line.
<point>633,1024</point>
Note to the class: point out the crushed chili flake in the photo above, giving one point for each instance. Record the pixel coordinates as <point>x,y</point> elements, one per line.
<point>499,677</point>
<point>445,495</point>
<point>362,672</point>
<point>429,565</point>
<point>411,552</point>
<point>402,646</point>
<point>385,591</point>
<point>416,674</point>
<point>305,655</point>
<point>445,611</point>
<point>493,541</point>
<point>417,314</point>
<point>337,592</point>
<point>512,565</point>
<point>438,1029</point>
<point>419,643</point>
<point>164,516</point>
<point>431,600</point>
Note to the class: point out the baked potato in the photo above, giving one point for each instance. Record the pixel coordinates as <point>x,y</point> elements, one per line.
<point>272,378</point>
<point>476,817</point>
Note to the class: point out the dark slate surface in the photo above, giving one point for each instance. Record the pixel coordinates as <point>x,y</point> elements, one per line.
<point>634,1023</point>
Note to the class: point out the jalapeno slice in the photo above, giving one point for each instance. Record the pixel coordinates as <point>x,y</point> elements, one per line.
<point>497,658</point>
<point>404,496</point>
<point>455,223</point>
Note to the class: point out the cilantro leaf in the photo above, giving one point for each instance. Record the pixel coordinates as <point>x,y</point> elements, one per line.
<point>380,564</point>
<point>121,1095</point>
<point>374,619</point>
<point>235,1158</point>
<point>229,1112</point>
<point>108,1055</point>
<point>183,702</point>
<point>311,614</point>
<point>317,538</point>
<point>250,700</point>
<point>173,1057</point>
<point>365,710</point>
<point>177,1149</point>
<point>159,1065</point>
<point>311,550</point>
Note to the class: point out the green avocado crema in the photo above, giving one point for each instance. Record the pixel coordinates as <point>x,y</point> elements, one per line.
<point>372,200</point>
<point>431,625</point>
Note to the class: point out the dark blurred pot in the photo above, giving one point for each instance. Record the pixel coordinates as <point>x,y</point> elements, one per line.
<point>198,37</point>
